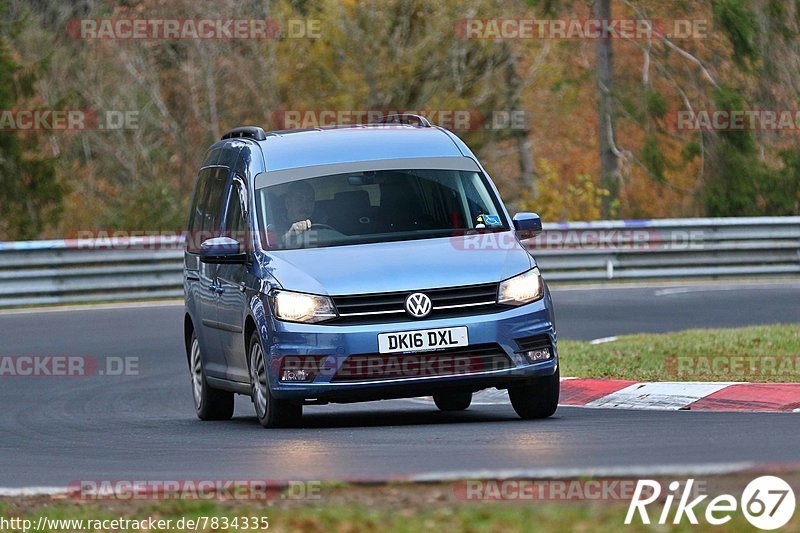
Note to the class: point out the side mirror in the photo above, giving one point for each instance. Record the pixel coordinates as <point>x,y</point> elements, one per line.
<point>528,223</point>
<point>222,251</point>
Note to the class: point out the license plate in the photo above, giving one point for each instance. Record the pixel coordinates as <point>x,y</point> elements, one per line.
<point>422,340</point>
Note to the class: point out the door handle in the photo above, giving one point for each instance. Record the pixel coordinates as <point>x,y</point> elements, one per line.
<point>216,288</point>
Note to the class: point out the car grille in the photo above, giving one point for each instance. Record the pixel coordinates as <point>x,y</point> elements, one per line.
<point>453,362</point>
<point>390,306</point>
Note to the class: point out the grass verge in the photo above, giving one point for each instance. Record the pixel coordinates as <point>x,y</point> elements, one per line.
<point>755,353</point>
<point>403,507</point>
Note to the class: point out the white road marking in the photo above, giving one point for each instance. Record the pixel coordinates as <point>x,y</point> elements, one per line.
<point>491,397</point>
<point>31,491</point>
<point>484,397</point>
<point>633,471</point>
<point>711,288</point>
<point>688,284</point>
<point>603,340</point>
<point>92,307</point>
<point>566,473</point>
<point>663,395</point>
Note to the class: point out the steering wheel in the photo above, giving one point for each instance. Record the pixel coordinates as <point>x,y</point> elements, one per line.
<point>316,225</point>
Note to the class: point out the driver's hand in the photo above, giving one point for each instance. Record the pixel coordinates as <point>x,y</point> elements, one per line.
<point>301,226</point>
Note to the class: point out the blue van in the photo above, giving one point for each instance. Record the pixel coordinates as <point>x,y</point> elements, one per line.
<point>360,263</point>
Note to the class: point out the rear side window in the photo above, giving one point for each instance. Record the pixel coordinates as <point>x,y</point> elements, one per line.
<point>205,214</point>
<point>212,201</point>
<point>199,191</point>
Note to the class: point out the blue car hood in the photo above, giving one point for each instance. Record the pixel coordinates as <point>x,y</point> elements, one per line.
<point>400,266</point>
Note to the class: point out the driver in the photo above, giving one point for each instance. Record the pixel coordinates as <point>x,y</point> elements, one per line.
<point>300,200</point>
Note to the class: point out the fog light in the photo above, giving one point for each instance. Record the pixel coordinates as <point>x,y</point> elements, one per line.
<point>296,375</point>
<point>539,354</point>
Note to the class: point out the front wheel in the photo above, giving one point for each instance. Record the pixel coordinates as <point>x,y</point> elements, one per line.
<point>209,403</point>
<point>453,401</point>
<point>270,411</point>
<point>537,398</point>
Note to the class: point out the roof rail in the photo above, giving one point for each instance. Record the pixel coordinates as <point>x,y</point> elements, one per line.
<point>405,118</point>
<point>249,132</point>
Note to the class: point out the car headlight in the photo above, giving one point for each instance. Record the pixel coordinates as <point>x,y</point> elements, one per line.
<point>301,307</point>
<point>524,288</point>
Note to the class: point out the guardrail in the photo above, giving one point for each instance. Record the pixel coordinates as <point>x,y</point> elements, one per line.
<point>669,248</point>
<point>89,270</point>
<point>83,270</point>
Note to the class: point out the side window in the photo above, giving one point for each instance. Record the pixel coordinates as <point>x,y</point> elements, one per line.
<point>212,201</point>
<point>197,213</point>
<point>235,223</point>
<point>205,215</point>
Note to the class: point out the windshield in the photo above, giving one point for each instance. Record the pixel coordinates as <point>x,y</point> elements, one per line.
<point>375,206</point>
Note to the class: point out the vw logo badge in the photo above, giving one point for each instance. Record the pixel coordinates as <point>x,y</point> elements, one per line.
<point>418,305</point>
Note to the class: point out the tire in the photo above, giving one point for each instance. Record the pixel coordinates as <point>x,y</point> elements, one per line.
<point>453,401</point>
<point>270,411</point>
<point>209,403</point>
<point>537,398</point>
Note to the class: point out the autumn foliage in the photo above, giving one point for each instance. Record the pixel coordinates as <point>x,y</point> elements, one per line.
<point>401,55</point>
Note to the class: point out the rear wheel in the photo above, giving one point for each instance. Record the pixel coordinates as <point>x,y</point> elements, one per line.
<point>537,398</point>
<point>270,411</point>
<point>452,401</point>
<point>209,403</point>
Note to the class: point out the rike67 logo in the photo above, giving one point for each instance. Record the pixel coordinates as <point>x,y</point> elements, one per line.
<point>768,502</point>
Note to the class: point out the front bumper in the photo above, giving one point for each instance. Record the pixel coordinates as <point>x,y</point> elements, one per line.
<point>501,328</point>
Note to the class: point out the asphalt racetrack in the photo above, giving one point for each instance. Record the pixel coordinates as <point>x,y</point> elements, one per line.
<point>55,430</point>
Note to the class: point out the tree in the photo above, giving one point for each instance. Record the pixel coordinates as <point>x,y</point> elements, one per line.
<point>609,160</point>
<point>30,194</point>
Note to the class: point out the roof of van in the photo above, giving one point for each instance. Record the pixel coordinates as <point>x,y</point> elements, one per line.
<point>323,146</point>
